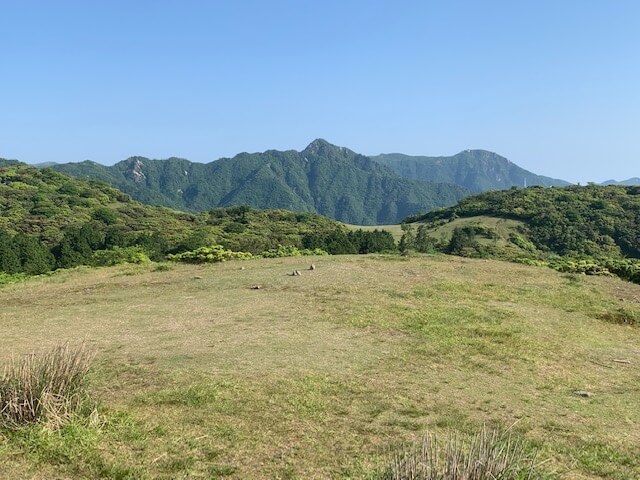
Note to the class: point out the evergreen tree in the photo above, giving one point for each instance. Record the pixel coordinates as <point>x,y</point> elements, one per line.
<point>35,257</point>
<point>9,256</point>
<point>423,242</point>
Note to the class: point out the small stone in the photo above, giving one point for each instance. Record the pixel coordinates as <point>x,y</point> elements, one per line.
<point>582,393</point>
<point>256,287</point>
<point>312,267</point>
<point>197,277</point>
<point>297,273</point>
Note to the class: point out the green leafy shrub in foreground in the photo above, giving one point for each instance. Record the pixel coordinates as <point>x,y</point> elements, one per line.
<point>213,254</point>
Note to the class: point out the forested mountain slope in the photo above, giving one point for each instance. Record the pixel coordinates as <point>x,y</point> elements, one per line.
<point>476,170</point>
<point>49,220</point>
<point>323,178</point>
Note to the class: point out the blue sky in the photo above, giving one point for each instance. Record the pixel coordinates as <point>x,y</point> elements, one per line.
<point>552,85</point>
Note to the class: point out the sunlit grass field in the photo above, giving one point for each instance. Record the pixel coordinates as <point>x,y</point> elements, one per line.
<point>199,374</point>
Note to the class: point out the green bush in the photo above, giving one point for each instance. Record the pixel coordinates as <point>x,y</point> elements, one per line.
<point>7,278</point>
<point>118,255</point>
<point>588,267</point>
<point>213,254</point>
<point>291,251</point>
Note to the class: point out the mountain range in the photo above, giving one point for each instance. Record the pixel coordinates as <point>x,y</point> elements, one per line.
<point>476,170</point>
<point>629,182</point>
<point>322,178</point>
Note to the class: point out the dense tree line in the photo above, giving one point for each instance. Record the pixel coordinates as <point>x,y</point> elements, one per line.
<point>86,244</point>
<point>346,242</point>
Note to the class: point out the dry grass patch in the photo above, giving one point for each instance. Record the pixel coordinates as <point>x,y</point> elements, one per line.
<point>313,376</point>
<point>47,388</point>
<point>488,455</point>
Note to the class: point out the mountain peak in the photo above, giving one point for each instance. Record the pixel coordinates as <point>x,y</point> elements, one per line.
<point>320,146</point>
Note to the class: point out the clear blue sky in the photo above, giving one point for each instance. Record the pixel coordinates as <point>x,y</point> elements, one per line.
<point>552,85</point>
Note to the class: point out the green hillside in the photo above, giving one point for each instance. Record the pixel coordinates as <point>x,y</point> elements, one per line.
<point>475,170</point>
<point>593,229</point>
<point>323,178</point>
<point>49,220</point>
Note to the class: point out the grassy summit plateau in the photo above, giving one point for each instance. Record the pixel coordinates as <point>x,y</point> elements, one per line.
<point>317,376</point>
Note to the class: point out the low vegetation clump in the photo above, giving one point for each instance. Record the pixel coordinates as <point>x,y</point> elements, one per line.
<point>47,388</point>
<point>622,316</point>
<point>291,251</point>
<point>217,253</point>
<point>119,255</point>
<point>213,254</point>
<point>7,279</point>
<point>489,455</point>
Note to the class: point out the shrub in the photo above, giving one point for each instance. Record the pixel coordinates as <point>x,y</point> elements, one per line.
<point>588,267</point>
<point>7,279</point>
<point>118,255</point>
<point>46,388</point>
<point>622,316</point>
<point>489,455</point>
<point>213,254</point>
<point>291,251</point>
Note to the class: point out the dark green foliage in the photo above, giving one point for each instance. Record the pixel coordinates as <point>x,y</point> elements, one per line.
<point>476,170</point>
<point>291,251</point>
<point>35,257</point>
<point>462,240</point>
<point>408,240</point>
<point>423,242</point>
<point>9,254</point>
<point>118,255</point>
<point>340,242</point>
<point>78,244</point>
<point>573,221</point>
<point>105,215</point>
<point>323,178</point>
<point>90,217</point>
<point>592,229</point>
<point>372,241</point>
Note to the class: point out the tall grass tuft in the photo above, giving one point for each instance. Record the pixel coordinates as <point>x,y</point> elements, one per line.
<point>47,388</point>
<point>488,455</point>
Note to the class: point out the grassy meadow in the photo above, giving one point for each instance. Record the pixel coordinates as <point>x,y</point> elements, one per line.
<point>198,374</point>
